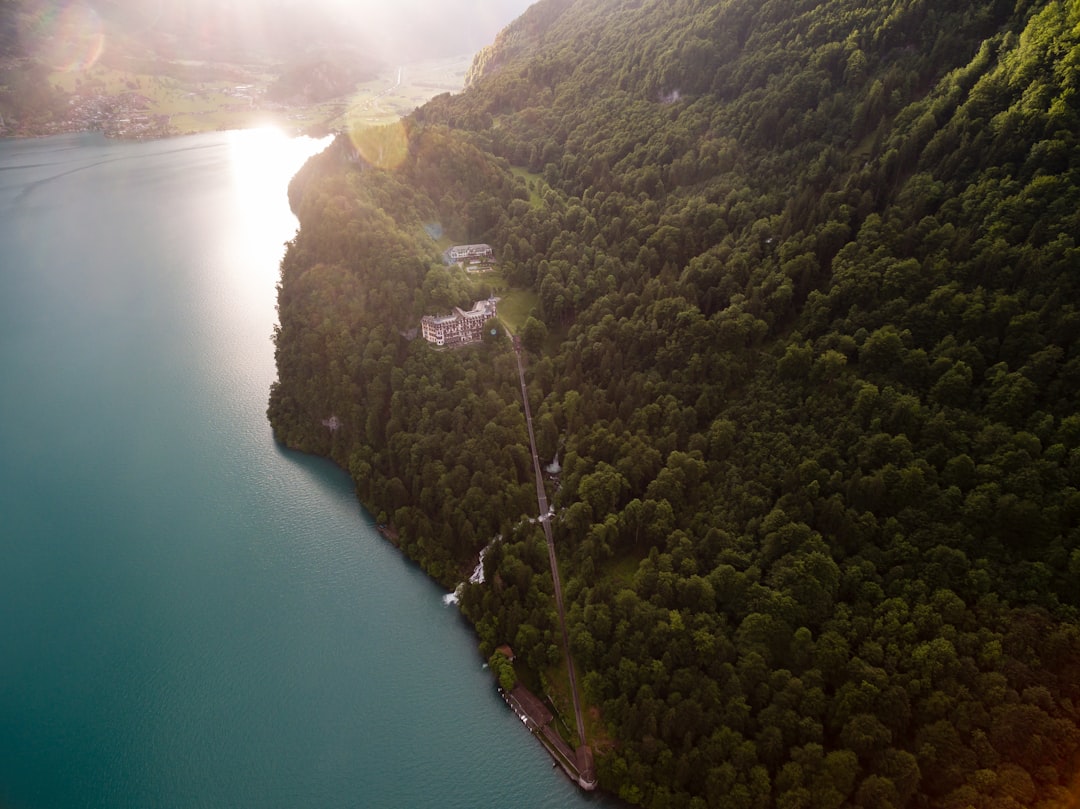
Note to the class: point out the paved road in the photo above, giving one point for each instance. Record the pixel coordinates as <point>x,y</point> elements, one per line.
<point>541,499</point>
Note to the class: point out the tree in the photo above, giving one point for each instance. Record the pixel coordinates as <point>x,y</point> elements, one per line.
<point>503,670</point>
<point>533,335</point>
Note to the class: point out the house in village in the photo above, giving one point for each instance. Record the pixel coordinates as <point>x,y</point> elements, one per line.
<point>459,327</point>
<point>469,254</point>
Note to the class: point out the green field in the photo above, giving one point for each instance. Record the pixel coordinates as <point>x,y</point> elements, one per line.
<point>384,100</point>
<point>516,306</point>
<point>534,182</point>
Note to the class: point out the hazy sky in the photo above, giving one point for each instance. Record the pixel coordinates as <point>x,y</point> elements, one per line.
<point>392,31</point>
<point>405,29</point>
<point>452,26</point>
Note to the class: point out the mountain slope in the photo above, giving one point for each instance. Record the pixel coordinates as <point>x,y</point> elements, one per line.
<point>809,272</point>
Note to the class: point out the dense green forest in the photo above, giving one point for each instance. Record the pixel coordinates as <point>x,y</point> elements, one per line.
<point>807,349</point>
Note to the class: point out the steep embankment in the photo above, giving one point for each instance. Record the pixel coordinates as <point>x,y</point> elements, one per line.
<point>810,276</point>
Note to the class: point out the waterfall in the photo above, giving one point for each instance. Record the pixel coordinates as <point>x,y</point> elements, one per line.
<point>476,577</point>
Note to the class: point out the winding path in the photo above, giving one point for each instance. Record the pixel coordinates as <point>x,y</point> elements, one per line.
<point>588,778</point>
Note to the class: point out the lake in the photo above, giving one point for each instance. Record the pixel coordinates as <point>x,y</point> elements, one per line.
<point>190,615</point>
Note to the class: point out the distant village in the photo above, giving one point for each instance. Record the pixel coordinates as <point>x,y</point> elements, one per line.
<point>129,115</point>
<point>116,116</point>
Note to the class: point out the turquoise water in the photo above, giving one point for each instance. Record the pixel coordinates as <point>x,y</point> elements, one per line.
<point>191,616</point>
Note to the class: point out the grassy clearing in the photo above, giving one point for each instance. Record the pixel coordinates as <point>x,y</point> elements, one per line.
<point>384,99</point>
<point>216,120</point>
<point>534,182</point>
<point>516,306</point>
<point>623,568</point>
<point>558,693</point>
<point>486,284</point>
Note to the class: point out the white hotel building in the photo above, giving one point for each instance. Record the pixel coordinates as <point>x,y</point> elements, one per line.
<point>460,327</point>
<point>469,253</point>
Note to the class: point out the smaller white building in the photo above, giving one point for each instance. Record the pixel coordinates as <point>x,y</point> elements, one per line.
<point>460,327</point>
<point>461,253</point>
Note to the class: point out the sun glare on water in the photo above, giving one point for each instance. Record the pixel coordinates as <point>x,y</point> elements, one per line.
<point>263,160</point>
<point>261,163</point>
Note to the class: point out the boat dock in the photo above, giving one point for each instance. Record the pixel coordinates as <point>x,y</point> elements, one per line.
<point>577,764</point>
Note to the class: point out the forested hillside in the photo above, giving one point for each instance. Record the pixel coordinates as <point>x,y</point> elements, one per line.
<point>810,276</point>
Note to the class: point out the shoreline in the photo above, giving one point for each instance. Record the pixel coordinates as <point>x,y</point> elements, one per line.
<point>577,764</point>
<point>310,132</point>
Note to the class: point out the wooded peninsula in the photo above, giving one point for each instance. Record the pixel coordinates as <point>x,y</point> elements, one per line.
<point>803,337</point>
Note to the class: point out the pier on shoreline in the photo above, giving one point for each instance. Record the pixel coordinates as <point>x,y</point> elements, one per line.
<point>577,764</point>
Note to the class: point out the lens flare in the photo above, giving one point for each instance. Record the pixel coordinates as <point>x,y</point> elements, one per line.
<point>69,37</point>
<point>385,146</point>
